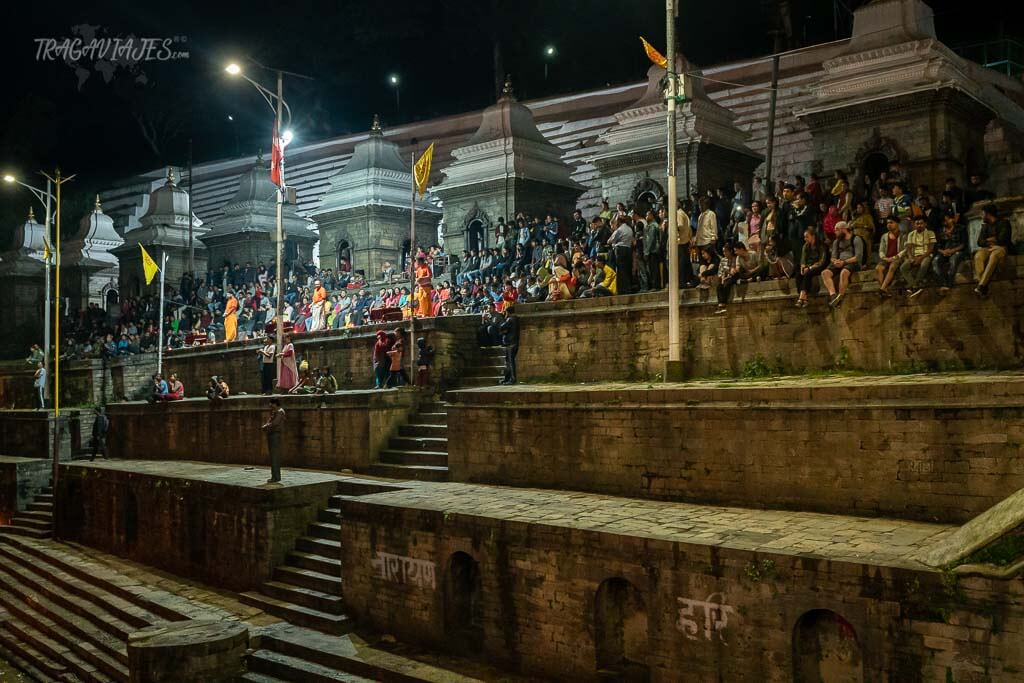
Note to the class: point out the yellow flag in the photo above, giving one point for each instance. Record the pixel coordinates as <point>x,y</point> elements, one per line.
<point>654,55</point>
<point>421,171</point>
<point>148,265</point>
<point>46,251</point>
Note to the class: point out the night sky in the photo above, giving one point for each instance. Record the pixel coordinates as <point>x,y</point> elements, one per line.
<point>442,52</point>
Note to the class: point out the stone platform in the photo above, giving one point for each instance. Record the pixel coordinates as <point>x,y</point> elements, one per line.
<point>335,432</point>
<point>578,586</point>
<point>927,447</point>
<point>223,525</point>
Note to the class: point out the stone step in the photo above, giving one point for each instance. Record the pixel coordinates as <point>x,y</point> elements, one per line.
<point>432,418</point>
<point>472,382</point>
<point>384,667</point>
<point>330,515</point>
<point>96,656</point>
<point>483,370</point>
<point>418,429</point>
<point>253,677</point>
<point>412,457</point>
<point>128,590</point>
<point>319,546</point>
<point>45,497</point>
<point>318,563</point>
<point>75,613</point>
<point>37,506</point>
<point>418,472</point>
<point>30,661</point>
<point>295,669</point>
<point>34,520</point>
<point>27,532</point>
<point>128,611</point>
<point>307,578</point>
<point>76,657</point>
<point>337,624</point>
<point>318,600</point>
<point>324,530</point>
<point>347,487</point>
<point>432,407</point>
<point>419,443</point>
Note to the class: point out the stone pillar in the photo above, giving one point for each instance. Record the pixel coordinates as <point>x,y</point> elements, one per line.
<point>200,651</point>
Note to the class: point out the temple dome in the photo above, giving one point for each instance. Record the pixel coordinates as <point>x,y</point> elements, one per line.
<point>30,237</point>
<point>168,200</point>
<point>506,119</point>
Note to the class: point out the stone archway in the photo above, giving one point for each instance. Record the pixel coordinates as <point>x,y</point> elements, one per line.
<point>620,631</point>
<point>646,194</point>
<point>463,608</point>
<point>825,648</point>
<point>873,150</point>
<point>476,226</point>
<point>343,253</point>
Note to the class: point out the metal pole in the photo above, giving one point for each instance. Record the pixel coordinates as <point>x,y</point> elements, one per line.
<point>191,242</point>
<point>46,308</point>
<point>412,272</point>
<point>769,152</point>
<point>160,347</point>
<point>280,231</point>
<point>56,357</point>
<point>673,370</point>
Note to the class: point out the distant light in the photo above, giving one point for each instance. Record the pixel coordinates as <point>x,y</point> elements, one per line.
<point>286,136</point>
<point>550,50</point>
<point>233,69</point>
<point>230,117</point>
<point>8,178</point>
<point>394,79</point>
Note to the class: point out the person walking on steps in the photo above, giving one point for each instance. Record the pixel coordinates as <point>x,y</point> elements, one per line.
<point>509,330</point>
<point>100,426</point>
<point>274,428</point>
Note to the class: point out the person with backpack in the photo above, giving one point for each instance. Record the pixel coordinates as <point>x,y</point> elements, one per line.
<point>847,259</point>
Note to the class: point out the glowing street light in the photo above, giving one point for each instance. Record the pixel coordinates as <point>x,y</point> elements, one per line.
<point>286,137</point>
<point>8,178</point>
<point>549,54</point>
<point>393,80</point>
<point>233,69</point>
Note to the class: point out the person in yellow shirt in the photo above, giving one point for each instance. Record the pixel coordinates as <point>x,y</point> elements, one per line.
<point>603,280</point>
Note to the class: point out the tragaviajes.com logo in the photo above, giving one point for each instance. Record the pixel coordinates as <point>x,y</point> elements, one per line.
<point>90,46</point>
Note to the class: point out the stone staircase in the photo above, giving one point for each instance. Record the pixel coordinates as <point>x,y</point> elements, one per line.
<point>420,449</point>
<point>36,521</point>
<point>306,590</point>
<point>59,622</point>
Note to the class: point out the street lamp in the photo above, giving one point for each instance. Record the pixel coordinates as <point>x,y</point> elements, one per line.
<point>549,54</point>
<point>277,104</point>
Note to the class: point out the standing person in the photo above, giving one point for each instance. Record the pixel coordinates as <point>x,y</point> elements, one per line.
<point>395,376</point>
<point>509,330</point>
<point>100,426</point>
<point>653,251</point>
<point>39,382</point>
<point>426,288</point>
<point>268,367</point>
<point>318,309</point>
<point>621,244</point>
<point>274,428</point>
<point>288,375</point>
<point>424,359</point>
<point>231,318</point>
<point>381,361</point>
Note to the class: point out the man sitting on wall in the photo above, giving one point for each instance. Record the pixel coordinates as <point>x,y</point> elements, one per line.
<point>889,249</point>
<point>950,249</point>
<point>993,243</point>
<point>916,257</point>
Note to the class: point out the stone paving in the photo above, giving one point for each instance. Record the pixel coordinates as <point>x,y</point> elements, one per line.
<point>888,542</point>
<point>231,475</point>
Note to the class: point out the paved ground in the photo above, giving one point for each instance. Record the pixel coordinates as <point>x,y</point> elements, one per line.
<point>837,537</point>
<point>232,475</point>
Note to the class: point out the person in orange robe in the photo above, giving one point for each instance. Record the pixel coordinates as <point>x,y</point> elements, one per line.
<point>426,288</point>
<point>231,318</point>
<point>319,307</point>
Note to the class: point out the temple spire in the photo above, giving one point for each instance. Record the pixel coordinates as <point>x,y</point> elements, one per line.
<point>170,175</point>
<point>507,93</point>
<point>31,215</point>
<point>98,208</point>
<point>375,129</point>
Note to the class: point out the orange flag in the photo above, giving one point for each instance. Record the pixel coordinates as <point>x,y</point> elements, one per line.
<point>654,55</point>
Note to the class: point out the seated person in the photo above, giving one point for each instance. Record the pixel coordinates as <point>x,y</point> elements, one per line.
<point>847,255</point>
<point>813,259</point>
<point>175,389</point>
<point>993,245</point>
<point>778,258</point>
<point>602,280</point>
<point>749,267</point>
<point>950,250</point>
<point>707,270</point>
<point>889,249</point>
<point>326,383</point>
<point>218,389</point>
<point>916,257</point>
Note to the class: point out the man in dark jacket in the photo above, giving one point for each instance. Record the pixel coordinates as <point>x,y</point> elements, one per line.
<point>509,330</point>
<point>100,426</point>
<point>993,244</point>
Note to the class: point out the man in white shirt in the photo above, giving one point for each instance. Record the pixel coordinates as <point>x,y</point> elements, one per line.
<point>621,245</point>
<point>707,226</point>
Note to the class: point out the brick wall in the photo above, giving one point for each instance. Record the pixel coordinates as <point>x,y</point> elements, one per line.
<point>538,585</point>
<point>20,480</point>
<point>227,536</point>
<point>29,433</point>
<point>341,431</point>
<point>622,338</point>
<point>936,450</point>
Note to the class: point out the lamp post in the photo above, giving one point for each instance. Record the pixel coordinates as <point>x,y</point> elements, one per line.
<point>277,104</point>
<point>44,197</point>
<point>674,367</point>
<point>394,81</point>
<point>549,54</point>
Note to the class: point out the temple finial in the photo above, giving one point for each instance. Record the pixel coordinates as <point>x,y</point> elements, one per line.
<point>375,128</point>
<point>506,91</point>
<point>31,215</point>
<point>98,208</point>
<point>170,175</point>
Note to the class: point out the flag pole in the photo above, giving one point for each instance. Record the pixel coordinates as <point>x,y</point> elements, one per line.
<point>160,346</point>
<point>412,272</point>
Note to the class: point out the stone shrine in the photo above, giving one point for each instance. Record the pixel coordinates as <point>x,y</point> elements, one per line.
<point>89,266</point>
<point>22,287</point>
<point>364,215</point>
<point>711,151</point>
<point>164,229</point>
<point>506,167</point>
<point>246,231</point>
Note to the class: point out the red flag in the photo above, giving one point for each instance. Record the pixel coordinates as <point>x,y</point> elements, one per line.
<point>276,159</point>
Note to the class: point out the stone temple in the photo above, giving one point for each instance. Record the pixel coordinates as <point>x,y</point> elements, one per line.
<point>831,495</point>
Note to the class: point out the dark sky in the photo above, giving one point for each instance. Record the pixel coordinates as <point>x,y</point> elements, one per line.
<point>441,50</point>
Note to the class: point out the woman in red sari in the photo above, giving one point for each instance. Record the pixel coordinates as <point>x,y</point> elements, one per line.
<point>287,373</point>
